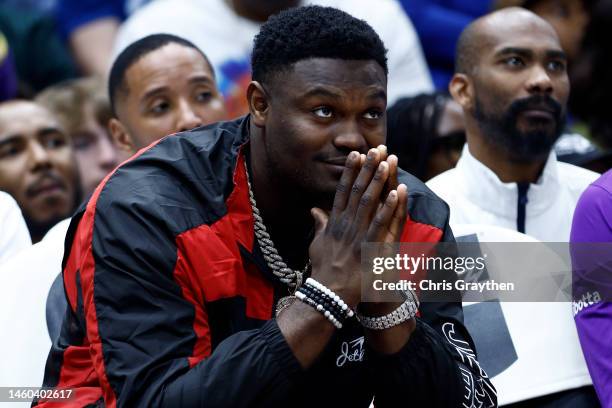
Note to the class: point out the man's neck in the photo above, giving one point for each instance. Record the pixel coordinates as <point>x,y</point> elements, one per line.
<point>286,217</point>
<point>506,170</point>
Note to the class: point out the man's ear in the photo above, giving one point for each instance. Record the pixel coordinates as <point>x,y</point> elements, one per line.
<point>258,103</point>
<point>120,136</point>
<point>462,90</point>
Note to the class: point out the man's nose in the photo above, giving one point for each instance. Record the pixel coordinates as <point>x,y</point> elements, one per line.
<point>39,157</point>
<point>539,81</point>
<point>107,153</point>
<point>187,117</point>
<point>349,136</point>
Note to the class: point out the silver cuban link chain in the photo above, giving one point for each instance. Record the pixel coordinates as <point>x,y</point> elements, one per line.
<point>292,278</point>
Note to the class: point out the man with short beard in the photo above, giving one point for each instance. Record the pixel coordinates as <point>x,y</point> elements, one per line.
<point>37,165</point>
<point>511,81</point>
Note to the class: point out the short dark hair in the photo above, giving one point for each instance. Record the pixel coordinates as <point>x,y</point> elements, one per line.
<point>133,53</point>
<point>313,32</point>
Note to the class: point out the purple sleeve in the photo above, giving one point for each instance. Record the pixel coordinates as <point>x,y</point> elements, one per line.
<point>593,224</point>
<point>8,74</point>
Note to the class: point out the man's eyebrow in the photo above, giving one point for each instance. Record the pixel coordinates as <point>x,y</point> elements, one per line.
<point>524,52</point>
<point>322,91</point>
<point>153,91</point>
<point>556,54</point>
<point>49,131</point>
<point>378,94</point>
<point>201,78</point>
<point>330,93</point>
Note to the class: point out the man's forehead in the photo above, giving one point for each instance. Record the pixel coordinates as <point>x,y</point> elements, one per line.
<point>164,63</point>
<point>517,30</point>
<point>337,73</point>
<point>25,117</point>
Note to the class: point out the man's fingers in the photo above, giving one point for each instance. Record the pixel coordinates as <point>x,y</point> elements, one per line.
<point>392,181</point>
<point>382,149</point>
<point>362,181</point>
<point>396,227</point>
<point>379,227</point>
<point>398,221</point>
<point>343,190</point>
<point>370,199</point>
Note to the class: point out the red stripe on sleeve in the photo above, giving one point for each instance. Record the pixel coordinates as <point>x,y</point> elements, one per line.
<point>190,290</point>
<point>87,268</point>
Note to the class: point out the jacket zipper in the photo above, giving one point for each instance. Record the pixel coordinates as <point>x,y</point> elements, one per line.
<point>521,206</point>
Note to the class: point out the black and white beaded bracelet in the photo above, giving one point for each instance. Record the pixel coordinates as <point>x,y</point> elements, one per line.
<point>319,307</point>
<point>330,293</point>
<point>325,301</point>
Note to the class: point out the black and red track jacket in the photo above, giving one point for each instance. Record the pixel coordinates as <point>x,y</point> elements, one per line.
<point>171,303</point>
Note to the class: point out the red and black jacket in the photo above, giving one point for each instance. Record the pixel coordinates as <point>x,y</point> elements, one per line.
<point>171,303</point>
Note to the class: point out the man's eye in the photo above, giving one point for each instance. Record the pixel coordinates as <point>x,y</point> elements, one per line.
<point>556,66</point>
<point>82,142</point>
<point>54,142</point>
<point>204,96</point>
<point>373,114</point>
<point>9,151</point>
<point>159,108</point>
<point>514,62</point>
<point>323,112</point>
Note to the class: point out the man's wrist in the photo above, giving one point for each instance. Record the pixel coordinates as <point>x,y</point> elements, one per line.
<point>377,309</point>
<point>391,341</point>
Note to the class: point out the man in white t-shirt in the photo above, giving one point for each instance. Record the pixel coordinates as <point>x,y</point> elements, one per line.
<point>15,235</point>
<point>224,31</point>
<point>512,83</point>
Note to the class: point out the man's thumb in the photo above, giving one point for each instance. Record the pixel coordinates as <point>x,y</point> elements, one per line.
<point>320,219</point>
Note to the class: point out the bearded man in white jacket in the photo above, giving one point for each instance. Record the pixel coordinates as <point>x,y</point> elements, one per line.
<point>511,81</point>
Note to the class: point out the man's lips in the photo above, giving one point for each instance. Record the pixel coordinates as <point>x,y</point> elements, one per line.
<point>46,187</point>
<point>538,113</point>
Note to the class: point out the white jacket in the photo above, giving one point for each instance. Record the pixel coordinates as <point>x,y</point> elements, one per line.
<point>14,235</point>
<point>541,337</point>
<point>477,196</point>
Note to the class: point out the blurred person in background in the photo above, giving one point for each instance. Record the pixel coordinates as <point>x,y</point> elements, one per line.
<point>569,18</point>
<point>427,133</point>
<point>40,57</point>
<point>85,22</point>
<point>591,79</point>
<point>439,24</point>
<point>83,108</point>
<point>511,81</point>
<point>15,235</point>
<point>159,85</point>
<point>224,31</point>
<point>37,165</point>
<point>8,76</point>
